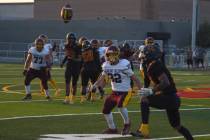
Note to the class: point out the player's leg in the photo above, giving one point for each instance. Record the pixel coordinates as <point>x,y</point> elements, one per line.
<point>93,78</point>
<point>41,88</point>
<point>143,130</point>
<point>31,74</point>
<point>109,104</point>
<point>132,83</point>
<point>75,77</point>
<point>84,78</point>
<point>123,101</point>
<point>174,119</point>
<point>100,88</point>
<point>67,84</point>
<point>43,76</point>
<point>53,83</point>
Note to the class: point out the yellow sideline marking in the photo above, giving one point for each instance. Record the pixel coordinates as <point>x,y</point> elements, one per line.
<point>6,89</point>
<point>188,89</point>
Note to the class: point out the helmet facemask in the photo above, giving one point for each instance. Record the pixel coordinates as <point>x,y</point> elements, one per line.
<point>113,57</point>
<point>39,43</point>
<point>39,46</point>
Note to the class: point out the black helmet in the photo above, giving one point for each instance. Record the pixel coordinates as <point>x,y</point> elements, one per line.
<point>85,45</point>
<point>71,36</point>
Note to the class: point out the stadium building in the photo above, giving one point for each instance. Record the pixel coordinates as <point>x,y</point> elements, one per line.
<point>161,10</point>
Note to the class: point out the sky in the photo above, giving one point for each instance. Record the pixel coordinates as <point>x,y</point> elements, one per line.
<point>15,1</point>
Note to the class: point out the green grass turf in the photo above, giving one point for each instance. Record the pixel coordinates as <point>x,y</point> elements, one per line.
<point>198,121</point>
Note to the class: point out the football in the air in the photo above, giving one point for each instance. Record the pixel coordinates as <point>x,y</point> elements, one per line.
<point>66,13</point>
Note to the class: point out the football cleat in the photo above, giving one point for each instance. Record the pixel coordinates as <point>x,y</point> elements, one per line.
<point>126,129</point>
<point>93,97</point>
<point>48,98</point>
<point>27,97</point>
<point>137,134</point>
<point>143,131</point>
<point>66,100</point>
<point>57,92</point>
<point>42,93</point>
<point>71,99</point>
<point>82,99</point>
<point>110,131</point>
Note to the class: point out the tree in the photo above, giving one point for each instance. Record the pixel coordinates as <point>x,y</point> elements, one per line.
<point>203,35</point>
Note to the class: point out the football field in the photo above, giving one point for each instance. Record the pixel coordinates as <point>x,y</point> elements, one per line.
<point>42,119</point>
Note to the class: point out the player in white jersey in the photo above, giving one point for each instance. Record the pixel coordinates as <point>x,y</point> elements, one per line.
<point>36,66</point>
<point>120,73</point>
<point>52,81</point>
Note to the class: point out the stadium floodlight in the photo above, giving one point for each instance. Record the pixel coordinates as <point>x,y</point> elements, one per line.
<point>194,23</point>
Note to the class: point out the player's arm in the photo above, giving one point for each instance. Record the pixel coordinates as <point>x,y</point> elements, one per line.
<point>137,81</point>
<point>48,61</point>
<point>51,54</point>
<point>64,61</point>
<point>164,82</point>
<point>27,63</point>
<point>101,81</point>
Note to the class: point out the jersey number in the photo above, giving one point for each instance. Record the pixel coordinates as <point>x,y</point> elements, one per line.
<point>115,77</point>
<point>38,59</point>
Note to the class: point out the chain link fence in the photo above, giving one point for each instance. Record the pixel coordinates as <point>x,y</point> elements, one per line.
<point>13,52</point>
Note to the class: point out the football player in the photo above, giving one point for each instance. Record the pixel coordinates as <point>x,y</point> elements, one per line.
<point>52,81</point>
<point>127,53</point>
<point>37,65</point>
<point>95,45</point>
<point>120,73</point>
<point>102,49</point>
<point>90,68</point>
<point>73,66</point>
<point>149,42</point>
<point>162,95</point>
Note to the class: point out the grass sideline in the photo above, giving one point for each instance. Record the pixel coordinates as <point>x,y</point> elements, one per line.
<point>31,128</point>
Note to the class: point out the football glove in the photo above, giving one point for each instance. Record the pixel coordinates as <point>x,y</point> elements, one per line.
<point>145,92</point>
<point>25,72</point>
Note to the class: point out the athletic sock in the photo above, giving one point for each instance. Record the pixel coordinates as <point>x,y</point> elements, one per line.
<point>67,89</point>
<point>110,121</point>
<point>47,92</point>
<point>41,87</point>
<point>53,83</point>
<point>124,114</point>
<point>145,112</point>
<point>27,88</point>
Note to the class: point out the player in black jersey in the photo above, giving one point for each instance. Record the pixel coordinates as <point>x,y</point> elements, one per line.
<point>90,68</point>
<point>73,66</point>
<point>162,95</point>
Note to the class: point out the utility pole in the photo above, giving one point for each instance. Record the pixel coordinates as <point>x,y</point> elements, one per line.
<point>194,23</point>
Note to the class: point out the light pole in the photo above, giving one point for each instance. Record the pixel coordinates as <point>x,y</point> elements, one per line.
<point>194,23</point>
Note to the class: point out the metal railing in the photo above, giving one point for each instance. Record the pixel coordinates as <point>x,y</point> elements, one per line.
<point>16,52</point>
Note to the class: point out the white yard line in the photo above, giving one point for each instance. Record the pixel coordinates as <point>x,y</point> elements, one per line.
<point>86,114</point>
